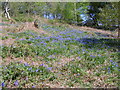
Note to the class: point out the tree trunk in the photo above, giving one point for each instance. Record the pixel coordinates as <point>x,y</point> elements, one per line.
<point>119,32</point>
<point>7,15</point>
<point>75,13</point>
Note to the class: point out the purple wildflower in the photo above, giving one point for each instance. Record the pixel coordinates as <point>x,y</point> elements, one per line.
<point>26,64</point>
<point>78,74</point>
<point>37,70</point>
<point>30,68</point>
<point>83,50</point>
<point>108,70</point>
<point>49,68</point>
<point>42,64</point>
<point>92,56</point>
<point>99,55</point>
<point>114,63</point>
<point>111,60</point>
<point>16,83</point>
<point>117,66</point>
<point>3,84</point>
<point>33,86</point>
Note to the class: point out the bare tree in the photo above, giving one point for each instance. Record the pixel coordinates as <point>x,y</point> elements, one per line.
<point>6,9</point>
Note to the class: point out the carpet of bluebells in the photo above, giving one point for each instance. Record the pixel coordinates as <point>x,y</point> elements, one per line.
<point>71,58</point>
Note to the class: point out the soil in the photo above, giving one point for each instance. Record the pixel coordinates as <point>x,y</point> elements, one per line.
<point>101,31</point>
<point>22,60</point>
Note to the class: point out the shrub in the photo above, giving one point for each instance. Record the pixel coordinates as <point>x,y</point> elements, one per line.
<point>52,21</point>
<point>23,18</point>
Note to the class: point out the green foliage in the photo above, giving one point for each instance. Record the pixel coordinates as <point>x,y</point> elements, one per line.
<point>84,58</point>
<point>24,73</point>
<point>69,12</point>
<point>23,18</point>
<point>5,52</point>
<point>94,10</point>
<point>109,15</point>
<point>52,21</point>
<point>5,37</point>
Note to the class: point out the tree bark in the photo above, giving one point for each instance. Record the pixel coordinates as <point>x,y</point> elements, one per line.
<point>119,32</point>
<point>75,18</point>
<point>6,9</point>
<point>6,12</point>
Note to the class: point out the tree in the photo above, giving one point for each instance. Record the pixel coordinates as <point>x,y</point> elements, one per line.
<point>81,9</point>
<point>94,10</point>
<point>6,9</point>
<point>109,16</point>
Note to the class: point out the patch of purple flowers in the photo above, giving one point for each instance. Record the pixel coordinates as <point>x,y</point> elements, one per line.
<point>16,83</point>
<point>49,68</point>
<point>3,84</point>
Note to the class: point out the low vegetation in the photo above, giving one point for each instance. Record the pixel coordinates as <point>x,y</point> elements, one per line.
<point>68,58</point>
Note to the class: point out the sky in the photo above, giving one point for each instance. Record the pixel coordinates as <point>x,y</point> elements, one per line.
<point>83,16</point>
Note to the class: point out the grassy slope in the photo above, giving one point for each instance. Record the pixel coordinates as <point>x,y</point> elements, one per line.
<point>60,57</point>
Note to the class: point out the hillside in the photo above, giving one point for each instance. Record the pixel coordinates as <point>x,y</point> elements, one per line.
<point>58,55</point>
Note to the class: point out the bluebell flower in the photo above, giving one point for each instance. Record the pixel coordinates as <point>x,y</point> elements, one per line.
<point>22,39</point>
<point>16,83</point>
<point>42,64</point>
<point>37,70</point>
<point>45,65</point>
<point>59,63</point>
<point>42,42</point>
<point>49,68</point>
<point>99,55</point>
<point>78,57</point>
<point>111,60</point>
<point>2,84</point>
<point>92,56</point>
<point>33,86</point>
<point>26,64</point>
<point>117,65</point>
<point>78,74</point>
<point>114,63</point>
<point>104,68</point>
<point>83,50</point>
<point>108,68</point>
<point>5,68</point>
<point>30,68</point>
<point>45,43</point>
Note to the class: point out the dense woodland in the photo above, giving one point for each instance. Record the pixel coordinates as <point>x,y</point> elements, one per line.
<point>94,14</point>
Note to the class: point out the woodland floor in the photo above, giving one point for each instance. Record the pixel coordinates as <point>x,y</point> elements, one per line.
<point>69,56</point>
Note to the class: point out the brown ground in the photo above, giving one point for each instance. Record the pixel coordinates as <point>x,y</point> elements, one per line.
<point>30,26</point>
<point>89,29</point>
<point>20,28</point>
<point>7,42</point>
<point>28,60</point>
